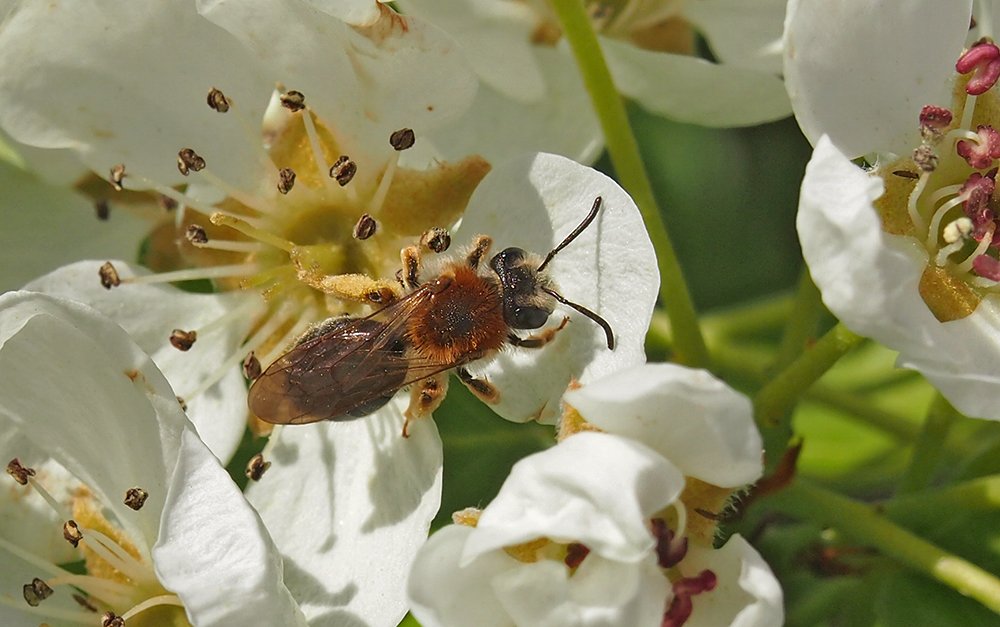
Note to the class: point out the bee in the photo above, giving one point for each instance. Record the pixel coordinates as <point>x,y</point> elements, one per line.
<point>347,368</point>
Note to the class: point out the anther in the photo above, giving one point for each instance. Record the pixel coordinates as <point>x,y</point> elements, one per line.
<point>986,266</point>
<point>183,403</point>
<point>135,498</point>
<point>196,234</point>
<point>168,203</point>
<point>670,550</point>
<point>183,340</point>
<point>110,619</point>
<point>251,367</point>
<point>980,154</point>
<point>983,61</point>
<point>20,473</point>
<point>189,161</point>
<point>102,210</point>
<point>402,139</point>
<point>436,239</point>
<point>978,190</point>
<point>36,592</point>
<point>218,101</point>
<point>933,121</point>
<point>84,602</point>
<point>109,275</point>
<point>117,176</point>
<point>286,179</point>
<point>575,554</point>
<point>72,533</point>
<point>956,230</point>
<point>293,100</point>
<point>256,467</point>
<point>681,606</point>
<point>365,227</point>
<point>343,170</point>
<point>925,158</point>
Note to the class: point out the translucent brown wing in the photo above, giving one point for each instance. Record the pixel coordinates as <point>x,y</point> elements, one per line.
<point>352,367</point>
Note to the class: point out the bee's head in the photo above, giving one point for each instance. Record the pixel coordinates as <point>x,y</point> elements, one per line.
<point>526,305</point>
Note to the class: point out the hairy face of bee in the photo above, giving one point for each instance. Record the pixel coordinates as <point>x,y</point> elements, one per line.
<point>525,305</point>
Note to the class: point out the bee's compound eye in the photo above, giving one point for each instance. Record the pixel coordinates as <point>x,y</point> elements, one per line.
<point>527,317</point>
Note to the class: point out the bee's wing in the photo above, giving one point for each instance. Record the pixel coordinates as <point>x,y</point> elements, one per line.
<point>345,373</point>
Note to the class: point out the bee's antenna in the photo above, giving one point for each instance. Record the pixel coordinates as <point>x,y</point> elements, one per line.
<point>572,236</point>
<point>590,314</point>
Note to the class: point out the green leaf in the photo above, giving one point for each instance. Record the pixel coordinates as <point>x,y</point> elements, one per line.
<point>907,599</point>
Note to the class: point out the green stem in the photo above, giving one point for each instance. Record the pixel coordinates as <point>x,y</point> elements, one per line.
<point>863,525</point>
<point>776,399</point>
<point>624,151</point>
<point>801,326</point>
<point>929,447</point>
<point>978,494</point>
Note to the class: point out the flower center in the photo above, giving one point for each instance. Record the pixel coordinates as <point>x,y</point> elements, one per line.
<point>119,583</point>
<point>321,234</point>
<point>943,194</point>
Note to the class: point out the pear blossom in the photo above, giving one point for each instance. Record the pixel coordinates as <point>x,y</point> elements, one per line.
<point>165,535</point>
<point>596,530</point>
<point>904,251</point>
<point>531,96</point>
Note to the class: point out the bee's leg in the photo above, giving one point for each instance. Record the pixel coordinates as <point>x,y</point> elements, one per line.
<point>425,399</point>
<point>537,341</point>
<point>410,276</point>
<point>482,388</point>
<point>479,249</point>
<point>354,287</point>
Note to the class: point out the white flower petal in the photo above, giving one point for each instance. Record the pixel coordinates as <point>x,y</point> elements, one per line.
<point>699,423</point>
<point>745,33</point>
<point>400,73</point>
<point>348,505</point>
<point>359,12</point>
<point>133,93</point>
<point>860,70</point>
<point>499,127</point>
<point>869,280</point>
<point>533,203</point>
<point>67,377</point>
<point>15,573</point>
<point>45,226</point>
<point>149,313</point>
<point>696,91</point>
<point>213,549</point>
<point>600,593</point>
<point>747,593</point>
<point>442,593</point>
<point>593,488</point>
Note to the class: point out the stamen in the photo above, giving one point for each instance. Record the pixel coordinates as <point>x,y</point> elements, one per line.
<point>20,473</point>
<point>911,203</point>
<point>196,234</point>
<point>403,139</point>
<point>135,498</point>
<point>286,180</point>
<point>183,340</point>
<point>71,533</point>
<point>192,274</point>
<point>436,239</point>
<point>343,170</point>
<point>230,245</point>
<point>109,275</point>
<point>925,158</point>
<point>933,122</point>
<point>365,227</point>
<point>56,506</point>
<point>102,210</point>
<point>116,556</point>
<point>256,467</point>
<point>110,619</point>
<point>252,131</point>
<point>165,599</point>
<point>48,612</point>
<point>36,592</point>
<point>314,143</point>
<point>294,101</point>
<point>984,244</point>
<point>983,61</point>
<point>939,213</point>
<point>671,546</point>
<point>251,367</point>
<point>246,309</point>
<point>239,224</point>
<point>956,233</point>
<point>987,267</point>
<point>575,554</point>
<point>218,101</point>
<point>109,591</point>
<point>378,198</point>
<point>117,176</point>
<point>983,148</point>
<point>189,161</point>
<point>681,605</point>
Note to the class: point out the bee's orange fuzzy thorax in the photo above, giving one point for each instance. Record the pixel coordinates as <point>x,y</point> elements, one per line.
<point>462,322</point>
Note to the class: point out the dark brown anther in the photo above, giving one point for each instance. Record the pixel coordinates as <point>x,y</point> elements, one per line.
<point>136,498</point>
<point>575,554</point>
<point>168,203</point>
<point>110,619</point>
<point>36,592</point>
<point>109,275</point>
<point>343,170</point>
<point>286,179</point>
<point>84,602</point>
<point>251,367</point>
<point>293,100</point>
<point>19,472</point>
<point>117,176</point>
<point>102,209</point>
<point>256,467</point>
<point>402,139</point>
<point>183,340</point>
<point>218,101</point>
<point>182,403</point>
<point>189,161</point>
<point>72,533</point>
<point>196,234</point>
<point>436,239</point>
<point>925,158</point>
<point>365,227</point>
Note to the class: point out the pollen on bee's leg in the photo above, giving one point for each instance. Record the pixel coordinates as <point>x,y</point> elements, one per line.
<point>359,288</point>
<point>425,399</point>
<point>483,389</point>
